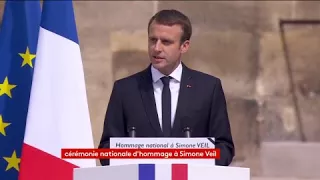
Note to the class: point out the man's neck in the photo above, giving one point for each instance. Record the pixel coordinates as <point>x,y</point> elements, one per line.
<point>167,72</point>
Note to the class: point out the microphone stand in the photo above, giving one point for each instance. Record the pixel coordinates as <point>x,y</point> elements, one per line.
<point>132,132</point>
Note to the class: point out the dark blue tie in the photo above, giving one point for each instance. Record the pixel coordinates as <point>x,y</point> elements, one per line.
<point>166,107</point>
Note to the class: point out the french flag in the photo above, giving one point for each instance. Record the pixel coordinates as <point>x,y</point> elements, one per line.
<point>163,172</point>
<point>58,115</point>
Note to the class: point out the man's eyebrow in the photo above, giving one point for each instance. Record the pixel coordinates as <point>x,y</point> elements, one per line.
<point>162,39</point>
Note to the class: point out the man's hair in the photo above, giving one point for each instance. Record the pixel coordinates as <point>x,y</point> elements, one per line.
<point>172,17</point>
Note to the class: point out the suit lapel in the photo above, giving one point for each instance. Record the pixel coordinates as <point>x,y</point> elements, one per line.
<point>185,98</point>
<point>147,95</point>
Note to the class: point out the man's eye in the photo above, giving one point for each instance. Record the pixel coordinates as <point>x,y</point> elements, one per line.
<point>153,40</point>
<point>166,42</point>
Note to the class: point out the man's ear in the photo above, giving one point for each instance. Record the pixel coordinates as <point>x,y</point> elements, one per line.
<point>185,46</point>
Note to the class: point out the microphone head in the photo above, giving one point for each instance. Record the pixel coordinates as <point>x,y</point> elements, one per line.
<point>132,128</point>
<point>185,123</point>
<point>185,129</point>
<point>132,131</point>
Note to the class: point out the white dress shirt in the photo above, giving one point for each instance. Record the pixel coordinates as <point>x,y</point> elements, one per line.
<point>174,89</point>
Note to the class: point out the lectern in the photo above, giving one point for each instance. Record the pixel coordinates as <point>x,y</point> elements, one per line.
<point>162,172</point>
<point>160,168</point>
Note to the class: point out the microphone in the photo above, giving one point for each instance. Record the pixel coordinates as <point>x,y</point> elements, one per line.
<point>186,128</point>
<point>132,131</point>
<point>187,132</point>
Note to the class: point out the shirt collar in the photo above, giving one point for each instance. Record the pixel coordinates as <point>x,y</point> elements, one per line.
<point>176,74</point>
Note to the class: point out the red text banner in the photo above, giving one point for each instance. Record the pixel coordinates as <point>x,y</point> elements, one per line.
<point>140,153</point>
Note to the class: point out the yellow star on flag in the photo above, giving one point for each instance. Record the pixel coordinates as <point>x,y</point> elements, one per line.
<point>27,58</point>
<point>5,87</point>
<point>13,161</point>
<point>3,125</point>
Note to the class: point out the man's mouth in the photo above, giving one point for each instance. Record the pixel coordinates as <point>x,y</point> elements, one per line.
<point>158,57</point>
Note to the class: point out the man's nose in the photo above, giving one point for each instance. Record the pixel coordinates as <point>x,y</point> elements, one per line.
<point>158,46</point>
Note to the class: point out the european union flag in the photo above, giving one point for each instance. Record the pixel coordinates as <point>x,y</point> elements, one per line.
<point>18,43</point>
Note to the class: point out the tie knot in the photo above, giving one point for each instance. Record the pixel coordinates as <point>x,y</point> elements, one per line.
<point>165,80</point>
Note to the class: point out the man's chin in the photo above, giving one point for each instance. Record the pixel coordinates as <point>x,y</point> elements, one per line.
<point>158,66</point>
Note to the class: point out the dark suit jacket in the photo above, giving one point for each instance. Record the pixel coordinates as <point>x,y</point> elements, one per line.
<point>201,106</point>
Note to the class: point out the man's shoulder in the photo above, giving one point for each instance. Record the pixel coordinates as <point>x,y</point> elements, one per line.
<point>204,77</point>
<point>130,79</point>
<point>207,82</point>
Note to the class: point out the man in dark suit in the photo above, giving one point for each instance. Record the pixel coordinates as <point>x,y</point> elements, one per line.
<point>167,96</point>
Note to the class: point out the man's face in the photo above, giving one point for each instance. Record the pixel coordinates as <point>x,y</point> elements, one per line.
<point>164,46</point>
